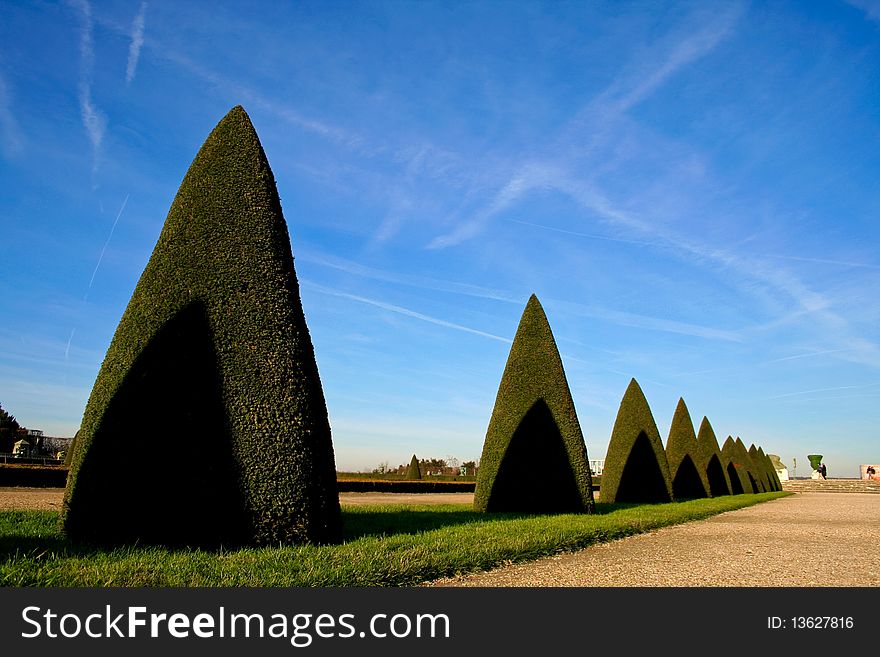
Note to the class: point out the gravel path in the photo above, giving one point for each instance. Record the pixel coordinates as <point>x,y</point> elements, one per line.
<point>807,539</point>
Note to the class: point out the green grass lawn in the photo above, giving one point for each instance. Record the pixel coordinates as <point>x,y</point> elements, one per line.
<point>384,546</point>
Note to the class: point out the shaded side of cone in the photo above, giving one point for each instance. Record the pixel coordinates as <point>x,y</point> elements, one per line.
<point>207,423</point>
<point>635,467</point>
<point>534,459</point>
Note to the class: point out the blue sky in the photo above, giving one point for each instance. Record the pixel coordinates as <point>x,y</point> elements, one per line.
<point>691,189</point>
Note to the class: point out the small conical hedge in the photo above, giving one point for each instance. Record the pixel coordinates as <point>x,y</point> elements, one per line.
<point>534,458</point>
<point>751,471</point>
<point>207,422</point>
<point>767,469</point>
<point>635,465</point>
<point>771,470</point>
<point>735,468</point>
<point>711,461</point>
<point>689,481</point>
<point>413,472</point>
<point>760,469</point>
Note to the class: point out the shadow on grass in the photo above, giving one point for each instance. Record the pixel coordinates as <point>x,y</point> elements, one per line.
<point>35,533</point>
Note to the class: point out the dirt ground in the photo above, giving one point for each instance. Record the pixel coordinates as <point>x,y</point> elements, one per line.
<point>50,498</point>
<point>30,499</point>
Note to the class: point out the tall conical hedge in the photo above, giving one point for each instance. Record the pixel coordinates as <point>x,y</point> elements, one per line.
<point>710,460</point>
<point>688,479</point>
<point>534,458</point>
<point>751,470</point>
<point>735,468</point>
<point>207,422</point>
<point>413,472</point>
<point>635,465</point>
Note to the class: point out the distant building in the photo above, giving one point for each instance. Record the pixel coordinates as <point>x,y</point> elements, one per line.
<point>596,466</point>
<point>23,449</point>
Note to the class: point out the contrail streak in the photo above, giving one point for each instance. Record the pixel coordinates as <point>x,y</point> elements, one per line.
<point>106,244</point>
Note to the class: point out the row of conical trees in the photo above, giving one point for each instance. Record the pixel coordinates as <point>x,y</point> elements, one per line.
<point>207,423</point>
<point>534,423</point>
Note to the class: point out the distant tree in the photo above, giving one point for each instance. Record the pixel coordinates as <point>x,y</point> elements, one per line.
<point>52,445</point>
<point>382,468</point>
<point>432,465</point>
<point>9,429</point>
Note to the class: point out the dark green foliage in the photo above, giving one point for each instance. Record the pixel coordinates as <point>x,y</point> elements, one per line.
<point>33,476</point>
<point>751,471</point>
<point>534,432</point>
<point>760,468</point>
<point>635,464</point>
<point>688,481</point>
<point>412,472</point>
<point>9,429</point>
<point>735,468</point>
<point>815,460</point>
<point>213,341</point>
<point>709,460</point>
<point>771,470</point>
<point>68,457</point>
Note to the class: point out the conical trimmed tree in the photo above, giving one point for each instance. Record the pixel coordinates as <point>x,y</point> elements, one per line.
<point>767,469</point>
<point>760,469</point>
<point>635,468</point>
<point>771,470</point>
<point>751,470</point>
<point>710,460</point>
<point>534,458</point>
<point>413,472</point>
<point>207,423</point>
<point>689,481</point>
<point>735,468</point>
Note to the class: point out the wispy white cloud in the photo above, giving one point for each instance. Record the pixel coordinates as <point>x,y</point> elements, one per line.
<point>810,392</point>
<point>634,320</point>
<point>870,7</point>
<point>94,122</point>
<point>421,282</point>
<point>531,176</point>
<point>406,312</point>
<point>697,38</point>
<point>811,354</point>
<point>823,261</point>
<point>137,41</point>
<point>13,138</point>
<point>575,233</point>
